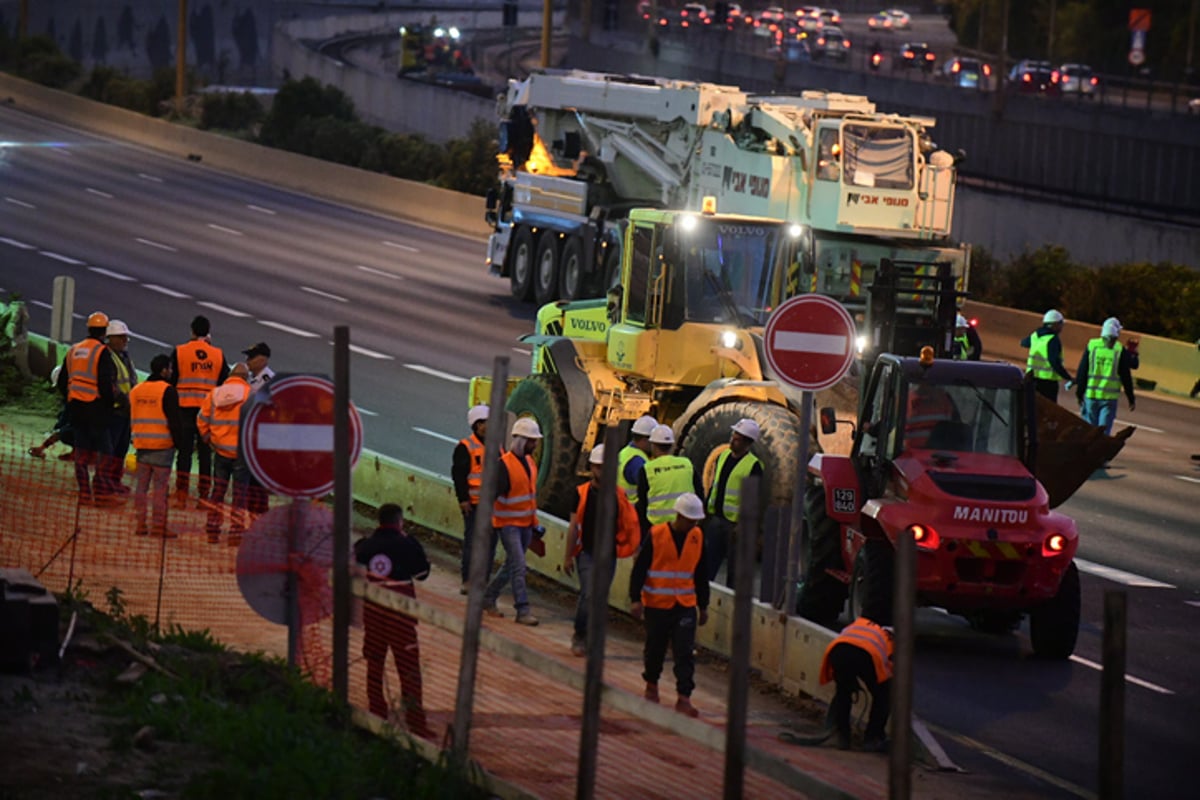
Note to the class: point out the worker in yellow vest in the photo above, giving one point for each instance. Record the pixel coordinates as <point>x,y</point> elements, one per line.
<point>86,380</point>
<point>734,465</point>
<point>155,424</point>
<point>126,379</point>
<point>1045,363</point>
<point>1105,368</point>
<point>632,458</point>
<point>197,367</point>
<point>664,479</point>
<point>218,426</point>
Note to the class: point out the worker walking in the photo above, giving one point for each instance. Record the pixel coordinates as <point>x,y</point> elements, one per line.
<point>395,560</point>
<point>87,381</point>
<point>466,470</point>
<point>514,515</point>
<point>155,424</point>
<point>1045,362</point>
<point>632,457</point>
<point>582,533</point>
<point>126,379</point>
<point>734,465</point>
<point>663,480</point>
<point>669,588</point>
<point>197,367</point>
<point>967,344</point>
<point>1104,369</point>
<point>218,425</point>
<point>861,654</point>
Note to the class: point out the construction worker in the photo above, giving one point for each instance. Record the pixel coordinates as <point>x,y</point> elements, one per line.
<point>928,404</point>
<point>197,367</point>
<point>217,424</point>
<point>155,423</point>
<point>669,588</point>
<point>514,515</point>
<point>582,532</point>
<point>663,479</point>
<point>395,560</point>
<point>1105,364</point>
<point>1045,356</point>
<point>119,428</point>
<point>967,344</point>
<point>86,380</point>
<point>632,457</point>
<point>258,357</point>
<point>734,465</point>
<point>861,654</point>
<point>466,470</point>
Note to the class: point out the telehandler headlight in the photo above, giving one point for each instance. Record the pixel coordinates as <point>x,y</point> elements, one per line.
<point>1054,545</point>
<point>925,537</point>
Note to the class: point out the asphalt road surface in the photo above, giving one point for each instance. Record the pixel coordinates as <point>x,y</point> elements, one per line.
<point>154,241</point>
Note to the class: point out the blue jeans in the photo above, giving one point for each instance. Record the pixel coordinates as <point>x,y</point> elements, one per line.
<point>585,566</point>
<point>1101,413</point>
<point>515,540</point>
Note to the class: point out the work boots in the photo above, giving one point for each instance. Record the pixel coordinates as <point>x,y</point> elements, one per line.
<point>651,692</point>
<point>684,706</point>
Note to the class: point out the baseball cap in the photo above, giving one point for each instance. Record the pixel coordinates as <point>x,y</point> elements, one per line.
<point>259,349</point>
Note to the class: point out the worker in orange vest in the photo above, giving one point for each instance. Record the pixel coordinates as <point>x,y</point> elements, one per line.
<point>861,654</point>
<point>514,515</point>
<point>466,470</point>
<point>86,380</point>
<point>197,367</point>
<point>155,424</point>
<point>217,424</point>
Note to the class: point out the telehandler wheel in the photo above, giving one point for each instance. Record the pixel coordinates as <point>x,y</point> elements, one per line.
<point>778,447</point>
<point>521,266</point>
<point>1054,625</point>
<point>821,596</point>
<point>543,397</point>
<point>572,274</point>
<point>871,583</point>
<point>545,269</point>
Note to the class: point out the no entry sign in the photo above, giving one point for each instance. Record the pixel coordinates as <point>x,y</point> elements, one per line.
<point>809,342</point>
<point>287,436</point>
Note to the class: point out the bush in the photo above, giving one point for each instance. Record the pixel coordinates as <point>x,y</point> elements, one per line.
<point>108,85</point>
<point>411,157</point>
<point>471,162</point>
<point>1041,279</point>
<point>38,59</point>
<point>297,101</point>
<point>230,111</point>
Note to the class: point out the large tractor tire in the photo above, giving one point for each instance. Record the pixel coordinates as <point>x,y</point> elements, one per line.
<point>543,397</point>
<point>572,272</point>
<point>521,261</point>
<point>1054,625</point>
<point>545,269</point>
<point>821,596</point>
<point>871,585</point>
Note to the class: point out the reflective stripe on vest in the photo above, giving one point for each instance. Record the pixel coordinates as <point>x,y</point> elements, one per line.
<point>199,367</point>
<point>519,506</point>
<point>668,478</point>
<point>733,486</point>
<point>83,370</point>
<point>865,635</point>
<point>475,450</point>
<point>627,454</point>
<point>1039,357</point>
<point>147,419</point>
<point>1103,383</point>
<point>221,422</point>
<point>671,579</point>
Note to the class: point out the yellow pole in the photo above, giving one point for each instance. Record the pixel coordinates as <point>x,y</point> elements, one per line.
<point>181,57</point>
<point>547,21</point>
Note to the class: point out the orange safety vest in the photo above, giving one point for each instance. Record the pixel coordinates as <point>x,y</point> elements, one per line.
<point>83,370</point>
<point>475,450</point>
<point>218,417</point>
<point>199,367</point>
<point>147,417</point>
<point>519,506</point>
<point>671,580</point>
<point>864,634</point>
<point>628,533</point>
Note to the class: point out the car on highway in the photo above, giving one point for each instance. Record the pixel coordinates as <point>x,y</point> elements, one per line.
<point>915,55</point>
<point>1079,79</point>
<point>879,22</point>
<point>829,16</point>
<point>831,43</point>
<point>1035,77</point>
<point>769,21</point>
<point>900,20</point>
<point>967,73</point>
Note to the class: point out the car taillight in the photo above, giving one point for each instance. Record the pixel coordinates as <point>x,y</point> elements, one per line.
<point>973,322</point>
<point>925,537</point>
<point>1027,78</point>
<point>846,43</point>
<point>821,41</point>
<point>908,54</point>
<point>930,56</point>
<point>1094,81</point>
<point>1054,545</point>
<point>987,70</point>
<point>956,67</point>
<point>1054,77</point>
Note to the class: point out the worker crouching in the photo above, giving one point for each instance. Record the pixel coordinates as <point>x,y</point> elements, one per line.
<point>861,654</point>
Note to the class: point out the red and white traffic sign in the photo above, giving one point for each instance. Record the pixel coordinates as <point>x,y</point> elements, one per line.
<point>287,437</point>
<point>810,342</point>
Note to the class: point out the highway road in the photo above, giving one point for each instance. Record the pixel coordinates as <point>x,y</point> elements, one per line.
<point>154,241</point>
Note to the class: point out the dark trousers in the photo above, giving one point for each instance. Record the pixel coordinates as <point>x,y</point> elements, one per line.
<point>469,544</point>
<point>1046,388</point>
<point>192,443</point>
<point>585,567</point>
<point>852,666</point>
<point>719,543</point>
<point>675,627</point>
<point>93,450</point>
<point>224,473</point>
<point>384,628</point>
<point>119,433</point>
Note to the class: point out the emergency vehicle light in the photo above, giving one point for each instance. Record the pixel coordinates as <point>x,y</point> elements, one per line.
<point>708,205</point>
<point>925,537</point>
<point>1054,545</point>
<point>926,356</point>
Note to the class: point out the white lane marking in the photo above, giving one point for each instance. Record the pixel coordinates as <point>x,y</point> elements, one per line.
<point>43,304</point>
<point>1119,576</point>
<point>159,245</point>
<point>151,178</point>
<point>1154,687</point>
<point>61,257</point>
<point>152,341</point>
<point>381,273</point>
<point>223,309</point>
<point>1194,603</point>
<point>260,209</point>
<point>436,435</point>
<point>154,287</point>
<point>108,273</point>
<point>15,243</point>
<point>446,376</point>
<point>20,203</point>
<point>291,436</point>
<point>522,351</point>
<point>1015,763</point>
<point>99,193</point>
<point>820,343</point>
<point>279,326</point>
<point>223,229</point>
<point>1138,425</point>
<point>362,351</point>
<point>1188,478</point>
<point>319,293</point>
<point>367,412</point>
<point>406,248</point>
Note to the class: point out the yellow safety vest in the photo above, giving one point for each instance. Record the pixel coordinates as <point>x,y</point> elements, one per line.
<point>627,454</point>
<point>733,486</point>
<point>1039,357</point>
<point>668,477</point>
<point>1103,382</point>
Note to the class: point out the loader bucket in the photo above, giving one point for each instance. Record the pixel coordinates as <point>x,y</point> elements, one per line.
<point>1070,450</point>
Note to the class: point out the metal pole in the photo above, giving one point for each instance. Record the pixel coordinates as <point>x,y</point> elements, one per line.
<point>62,309</point>
<point>181,57</point>
<point>481,566</point>
<point>547,23</point>
<point>1112,699</point>
<point>342,508</point>
<point>603,563</point>
<point>739,650</point>
<point>799,534</point>
<point>903,605</point>
<point>1050,33</point>
<point>292,585</point>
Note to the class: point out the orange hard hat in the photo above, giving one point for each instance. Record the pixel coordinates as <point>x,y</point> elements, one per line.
<point>97,319</point>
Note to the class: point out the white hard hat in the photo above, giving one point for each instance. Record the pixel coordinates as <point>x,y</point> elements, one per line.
<point>662,434</point>
<point>477,414</point>
<point>960,321</point>
<point>117,328</point>
<point>644,426</point>
<point>689,506</point>
<point>1052,316</point>
<point>597,455</point>
<point>748,428</point>
<point>527,427</point>
<point>1111,327</point>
